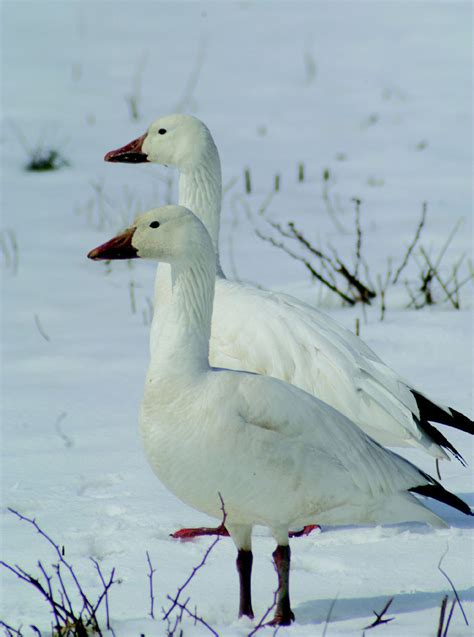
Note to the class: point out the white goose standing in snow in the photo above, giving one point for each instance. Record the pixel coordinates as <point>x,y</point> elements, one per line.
<point>278,456</point>
<point>277,335</point>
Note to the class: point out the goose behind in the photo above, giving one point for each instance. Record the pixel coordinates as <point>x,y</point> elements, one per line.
<point>295,342</point>
<point>217,432</point>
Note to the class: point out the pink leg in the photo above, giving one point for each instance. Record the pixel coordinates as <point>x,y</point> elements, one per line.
<point>185,534</point>
<point>306,531</point>
<point>188,534</point>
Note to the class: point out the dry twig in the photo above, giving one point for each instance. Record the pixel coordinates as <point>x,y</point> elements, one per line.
<point>175,600</point>
<point>443,628</point>
<point>151,572</point>
<point>443,572</point>
<point>412,244</point>
<point>314,273</point>
<point>40,328</point>
<point>68,621</point>
<point>9,249</point>
<point>328,203</point>
<point>379,617</point>
<point>328,616</point>
<point>358,291</point>
<point>262,621</point>
<point>10,631</point>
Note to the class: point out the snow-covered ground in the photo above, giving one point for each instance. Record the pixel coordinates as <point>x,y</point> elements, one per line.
<point>379,94</point>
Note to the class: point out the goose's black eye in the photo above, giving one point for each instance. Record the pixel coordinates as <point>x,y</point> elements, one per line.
<point>155,224</point>
<point>162,131</point>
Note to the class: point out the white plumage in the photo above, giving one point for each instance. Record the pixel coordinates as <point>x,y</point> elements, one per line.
<point>277,335</point>
<point>277,455</point>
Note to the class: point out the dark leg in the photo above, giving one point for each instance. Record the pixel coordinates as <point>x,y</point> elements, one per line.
<point>283,613</point>
<point>244,568</point>
<point>185,534</point>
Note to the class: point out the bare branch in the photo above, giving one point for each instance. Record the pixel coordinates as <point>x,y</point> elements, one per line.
<point>55,546</point>
<point>40,328</point>
<point>383,285</point>
<point>64,593</point>
<point>442,612</point>
<point>56,608</point>
<point>328,203</point>
<point>151,572</point>
<point>379,617</point>
<point>326,262</point>
<point>29,579</point>
<point>175,601</point>
<point>365,293</point>
<point>443,572</point>
<point>262,621</point>
<point>447,243</point>
<point>105,593</point>
<point>193,615</point>
<point>413,299</point>
<point>308,265</point>
<point>301,171</point>
<point>358,235</point>
<point>248,181</point>
<point>412,244</point>
<point>448,621</point>
<point>265,204</point>
<point>328,616</point>
<point>294,232</point>
<point>68,442</point>
<point>10,631</point>
<point>9,249</point>
<point>67,621</point>
<point>433,271</point>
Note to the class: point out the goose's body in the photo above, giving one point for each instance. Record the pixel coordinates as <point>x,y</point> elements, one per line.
<point>275,454</point>
<point>298,346</point>
<point>277,335</point>
<point>253,439</point>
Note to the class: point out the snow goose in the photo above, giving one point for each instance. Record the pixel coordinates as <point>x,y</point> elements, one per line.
<point>211,433</point>
<point>294,341</point>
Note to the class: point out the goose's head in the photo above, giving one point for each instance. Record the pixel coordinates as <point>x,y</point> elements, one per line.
<point>174,140</point>
<point>172,234</point>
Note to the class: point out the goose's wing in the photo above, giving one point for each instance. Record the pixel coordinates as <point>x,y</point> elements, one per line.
<point>294,416</point>
<point>357,479</point>
<point>275,335</point>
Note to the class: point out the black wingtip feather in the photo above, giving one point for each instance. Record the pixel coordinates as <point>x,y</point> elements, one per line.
<point>434,413</point>
<point>462,422</point>
<point>440,440</point>
<point>437,492</point>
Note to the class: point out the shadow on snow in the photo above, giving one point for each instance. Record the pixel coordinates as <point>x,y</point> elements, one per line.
<point>316,611</point>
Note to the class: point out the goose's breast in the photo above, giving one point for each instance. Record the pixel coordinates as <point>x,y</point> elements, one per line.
<point>197,458</point>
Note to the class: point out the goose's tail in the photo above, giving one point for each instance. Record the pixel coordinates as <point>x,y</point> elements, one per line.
<point>437,492</point>
<point>406,507</point>
<point>430,411</point>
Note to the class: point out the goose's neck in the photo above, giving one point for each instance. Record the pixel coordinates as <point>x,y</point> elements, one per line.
<point>200,190</point>
<point>182,344</point>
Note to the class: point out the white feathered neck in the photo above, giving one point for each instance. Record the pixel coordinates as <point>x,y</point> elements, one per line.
<point>182,343</point>
<point>200,190</point>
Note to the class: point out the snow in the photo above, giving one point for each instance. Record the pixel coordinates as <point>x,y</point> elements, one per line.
<point>389,78</point>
